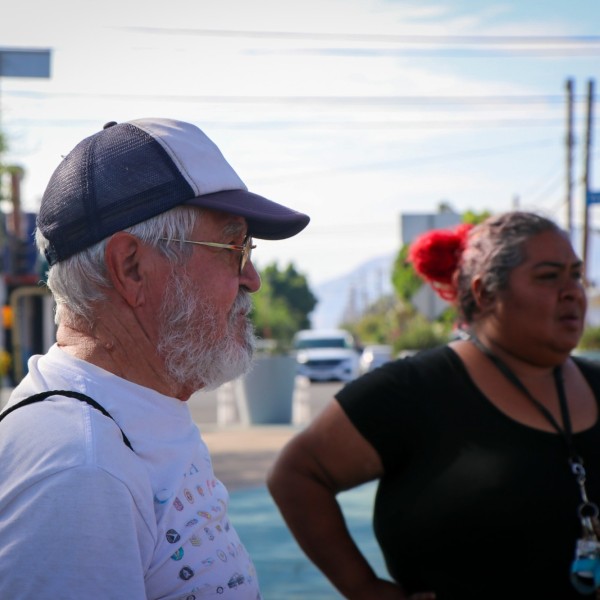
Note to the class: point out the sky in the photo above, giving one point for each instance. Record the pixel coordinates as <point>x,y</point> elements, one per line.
<point>352,111</point>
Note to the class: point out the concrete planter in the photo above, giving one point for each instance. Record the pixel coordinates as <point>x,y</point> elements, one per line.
<point>265,395</point>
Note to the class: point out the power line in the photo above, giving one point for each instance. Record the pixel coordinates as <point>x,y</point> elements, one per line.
<point>392,100</point>
<point>315,125</point>
<point>485,40</point>
<point>450,46</point>
<point>414,161</point>
<point>581,52</point>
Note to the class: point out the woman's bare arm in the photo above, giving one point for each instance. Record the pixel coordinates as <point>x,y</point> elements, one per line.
<point>329,456</point>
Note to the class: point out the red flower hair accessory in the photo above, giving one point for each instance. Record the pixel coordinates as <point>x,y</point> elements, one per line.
<point>435,256</point>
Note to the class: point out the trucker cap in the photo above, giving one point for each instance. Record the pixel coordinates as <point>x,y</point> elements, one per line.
<point>132,171</point>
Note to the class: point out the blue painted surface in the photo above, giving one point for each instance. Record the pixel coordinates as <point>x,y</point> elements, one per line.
<point>283,570</point>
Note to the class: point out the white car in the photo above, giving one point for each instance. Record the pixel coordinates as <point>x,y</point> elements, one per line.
<point>326,355</point>
<point>374,356</point>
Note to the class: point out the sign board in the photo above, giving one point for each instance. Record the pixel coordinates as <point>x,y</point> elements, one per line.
<point>592,198</point>
<point>428,303</point>
<point>412,225</point>
<point>24,63</point>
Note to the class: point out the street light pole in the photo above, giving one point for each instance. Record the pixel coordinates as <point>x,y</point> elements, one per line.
<point>586,178</point>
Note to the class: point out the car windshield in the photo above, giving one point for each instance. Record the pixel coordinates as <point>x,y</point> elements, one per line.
<point>321,343</point>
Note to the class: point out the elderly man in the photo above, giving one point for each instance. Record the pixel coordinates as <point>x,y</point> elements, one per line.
<point>106,487</point>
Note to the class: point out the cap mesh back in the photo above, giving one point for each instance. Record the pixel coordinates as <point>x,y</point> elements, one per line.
<point>110,181</point>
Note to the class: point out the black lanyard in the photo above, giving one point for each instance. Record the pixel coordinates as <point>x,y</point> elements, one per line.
<point>585,568</point>
<point>566,430</point>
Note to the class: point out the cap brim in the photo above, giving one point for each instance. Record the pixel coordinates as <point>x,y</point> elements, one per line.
<point>266,219</point>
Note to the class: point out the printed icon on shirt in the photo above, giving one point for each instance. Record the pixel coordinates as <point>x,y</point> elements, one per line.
<point>172,536</point>
<point>186,573</point>
<point>177,555</point>
<point>207,564</point>
<point>222,555</point>
<point>236,579</point>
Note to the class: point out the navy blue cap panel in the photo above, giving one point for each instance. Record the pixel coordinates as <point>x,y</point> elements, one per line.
<point>130,172</point>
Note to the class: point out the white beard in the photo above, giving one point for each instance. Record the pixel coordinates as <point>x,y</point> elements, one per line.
<point>196,353</point>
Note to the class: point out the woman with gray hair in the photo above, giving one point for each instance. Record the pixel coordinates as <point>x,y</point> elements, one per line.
<point>486,450</point>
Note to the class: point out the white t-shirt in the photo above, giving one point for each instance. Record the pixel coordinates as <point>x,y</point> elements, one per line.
<point>82,516</point>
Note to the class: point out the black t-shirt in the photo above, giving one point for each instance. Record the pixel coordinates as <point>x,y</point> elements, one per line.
<point>473,504</point>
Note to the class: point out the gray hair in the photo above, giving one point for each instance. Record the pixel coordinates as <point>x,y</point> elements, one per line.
<point>494,248</point>
<point>80,282</point>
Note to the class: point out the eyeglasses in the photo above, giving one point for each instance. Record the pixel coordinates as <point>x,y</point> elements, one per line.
<point>246,248</point>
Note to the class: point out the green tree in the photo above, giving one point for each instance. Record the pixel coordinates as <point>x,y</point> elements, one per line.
<point>282,305</point>
<point>405,281</point>
<point>474,218</point>
<point>418,334</point>
<point>590,340</point>
<point>378,324</point>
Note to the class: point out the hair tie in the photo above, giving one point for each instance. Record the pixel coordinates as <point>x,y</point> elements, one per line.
<point>435,256</point>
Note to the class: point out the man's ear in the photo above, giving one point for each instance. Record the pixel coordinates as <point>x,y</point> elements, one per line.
<point>124,255</point>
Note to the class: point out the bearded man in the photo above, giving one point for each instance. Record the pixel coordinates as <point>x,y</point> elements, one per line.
<point>106,487</point>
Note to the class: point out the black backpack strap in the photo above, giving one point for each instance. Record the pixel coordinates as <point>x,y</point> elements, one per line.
<point>78,395</point>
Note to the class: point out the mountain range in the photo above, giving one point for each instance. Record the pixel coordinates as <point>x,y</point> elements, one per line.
<point>349,294</point>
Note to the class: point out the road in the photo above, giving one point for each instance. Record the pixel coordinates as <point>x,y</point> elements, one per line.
<point>242,455</point>
<point>205,405</point>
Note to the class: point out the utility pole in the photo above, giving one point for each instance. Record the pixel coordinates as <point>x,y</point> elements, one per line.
<point>569,141</point>
<point>586,177</point>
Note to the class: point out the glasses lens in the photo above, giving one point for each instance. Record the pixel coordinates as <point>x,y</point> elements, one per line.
<point>246,253</point>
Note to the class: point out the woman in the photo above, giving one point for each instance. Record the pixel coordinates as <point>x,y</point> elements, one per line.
<point>481,492</point>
